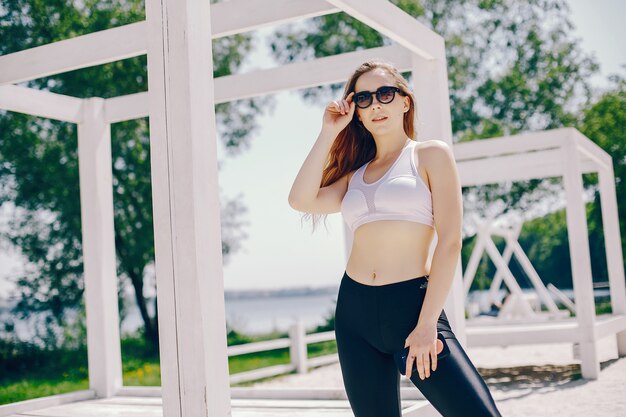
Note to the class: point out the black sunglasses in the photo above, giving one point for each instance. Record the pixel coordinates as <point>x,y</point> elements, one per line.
<point>385,94</point>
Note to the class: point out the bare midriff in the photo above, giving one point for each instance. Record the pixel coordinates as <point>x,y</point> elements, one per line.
<point>389,251</point>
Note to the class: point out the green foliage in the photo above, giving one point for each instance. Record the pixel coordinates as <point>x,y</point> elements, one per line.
<point>604,122</point>
<point>39,165</point>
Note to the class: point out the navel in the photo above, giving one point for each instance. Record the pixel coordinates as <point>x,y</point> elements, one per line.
<point>374,275</point>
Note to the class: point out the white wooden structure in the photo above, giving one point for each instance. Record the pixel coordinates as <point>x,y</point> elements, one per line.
<point>177,39</point>
<point>176,36</point>
<point>525,305</point>
<point>568,154</point>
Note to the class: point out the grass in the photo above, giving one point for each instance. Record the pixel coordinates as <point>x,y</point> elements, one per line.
<point>66,371</point>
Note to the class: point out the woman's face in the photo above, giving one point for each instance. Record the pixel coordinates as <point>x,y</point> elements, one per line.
<point>393,111</point>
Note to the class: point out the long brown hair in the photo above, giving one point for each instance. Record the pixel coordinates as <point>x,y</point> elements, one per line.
<point>355,145</point>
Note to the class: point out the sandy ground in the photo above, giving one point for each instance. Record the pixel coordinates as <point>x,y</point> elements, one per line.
<point>531,380</point>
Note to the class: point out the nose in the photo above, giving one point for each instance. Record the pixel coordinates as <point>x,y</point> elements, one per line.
<point>375,101</point>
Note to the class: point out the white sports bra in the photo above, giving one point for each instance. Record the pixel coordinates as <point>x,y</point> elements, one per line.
<point>400,194</point>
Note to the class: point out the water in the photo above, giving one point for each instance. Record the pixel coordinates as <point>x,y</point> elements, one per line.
<point>257,314</point>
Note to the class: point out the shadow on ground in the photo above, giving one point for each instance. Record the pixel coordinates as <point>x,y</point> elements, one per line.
<point>520,381</point>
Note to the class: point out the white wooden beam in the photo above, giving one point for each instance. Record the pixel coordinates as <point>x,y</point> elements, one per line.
<point>578,241</point>
<point>41,103</point>
<point>227,18</point>
<point>320,71</point>
<point>188,246</point>
<point>393,22</point>
<point>514,167</point>
<point>590,149</point>
<point>25,406</point>
<point>613,248</point>
<point>127,107</point>
<point>130,40</point>
<point>99,258</point>
<point>512,144</point>
<point>70,54</point>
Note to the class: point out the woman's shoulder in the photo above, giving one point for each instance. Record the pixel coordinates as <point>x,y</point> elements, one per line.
<point>433,150</point>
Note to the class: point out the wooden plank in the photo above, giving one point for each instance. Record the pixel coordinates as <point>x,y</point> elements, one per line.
<point>186,204</point>
<point>99,258</point>
<point>141,407</point>
<point>578,240</point>
<point>41,103</point>
<point>393,22</point>
<point>319,71</point>
<point>227,18</point>
<point>70,54</point>
<point>511,144</point>
<point>43,402</point>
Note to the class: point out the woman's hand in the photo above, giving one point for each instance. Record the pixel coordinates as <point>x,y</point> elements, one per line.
<point>338,113</point>
<point>423,349</point>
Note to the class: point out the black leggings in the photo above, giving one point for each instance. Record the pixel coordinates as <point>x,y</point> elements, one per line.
<point>372,322</point>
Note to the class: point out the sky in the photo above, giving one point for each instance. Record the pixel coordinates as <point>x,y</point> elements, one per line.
<point>280,250</point>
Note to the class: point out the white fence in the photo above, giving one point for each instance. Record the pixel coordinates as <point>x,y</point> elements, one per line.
<point>297,342</point>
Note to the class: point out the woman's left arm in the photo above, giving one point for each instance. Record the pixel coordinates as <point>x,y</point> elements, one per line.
<point>448,217</point>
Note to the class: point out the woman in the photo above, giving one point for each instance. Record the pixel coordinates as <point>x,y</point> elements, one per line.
<point>393,192</point>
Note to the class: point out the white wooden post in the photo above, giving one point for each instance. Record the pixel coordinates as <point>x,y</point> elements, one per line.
<point>188,244</point>
<point>612,243</point>
<point>298,347</point>
<point>430,86</point>
<point>96,199</point>
<point>581,264</point>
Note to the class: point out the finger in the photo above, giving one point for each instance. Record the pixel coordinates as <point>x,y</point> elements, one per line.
<point>409,366</point>
<point>420,365</point>
<point>427,365</point>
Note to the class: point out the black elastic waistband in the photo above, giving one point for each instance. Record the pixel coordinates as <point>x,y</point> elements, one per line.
<point>393,284</point>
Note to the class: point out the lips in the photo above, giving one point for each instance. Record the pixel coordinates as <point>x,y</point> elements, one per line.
<point>381,120</point>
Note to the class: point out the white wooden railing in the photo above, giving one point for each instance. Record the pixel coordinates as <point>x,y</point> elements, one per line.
<point>297,342</point>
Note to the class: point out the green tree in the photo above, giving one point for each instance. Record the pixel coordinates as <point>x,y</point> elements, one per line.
<point>39,166</point>
<point>604,122</point>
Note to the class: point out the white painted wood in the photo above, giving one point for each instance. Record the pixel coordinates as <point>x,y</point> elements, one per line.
<point>506,255</point>
<point>43,402</point>
<point>70,54</point>
<point>41,103</point>
<point>127,107</point>
<point>433,121</point>
<point>610,325</point>
<point>188,246</point>
<point>99,259</point>
<point>590,150</point>
<point>562,297</point>
<point>530,270</point>
<point>320,337</point>
<point>298,348</point>
<point>260,373</point>
<point>130,391</point>
<point>612,244</point>
<point>580,260</point>
<point>514,167</point>
<point>310,393</point>
<point>227,18</point>
<point>258,346</point>
<point>513,144</point>
<point>322,360</point>
<point>393,22</point>
<point>508,277</point>
<point>320,71</point>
